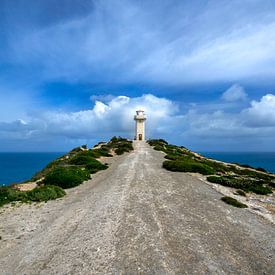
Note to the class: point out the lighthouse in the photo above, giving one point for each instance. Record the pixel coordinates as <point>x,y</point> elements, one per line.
<point>140,125</point>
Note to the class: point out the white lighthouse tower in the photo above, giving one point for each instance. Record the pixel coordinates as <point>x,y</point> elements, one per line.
<point>140,125</point>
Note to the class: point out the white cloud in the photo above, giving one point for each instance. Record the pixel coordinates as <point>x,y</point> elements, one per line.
<point>257,121</point>
<point>113,117</point>
<point>234,93</point>
<point>255,124</point>
<point>124,42</point>
<point>261,113</point>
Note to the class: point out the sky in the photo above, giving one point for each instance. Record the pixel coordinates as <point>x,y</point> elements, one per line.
<point>74,72</point>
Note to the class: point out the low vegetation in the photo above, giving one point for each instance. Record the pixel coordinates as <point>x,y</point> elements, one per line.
<point>184,164</point>
<point>240,193</point>
<point>121,145</point>
<point>45,193</point>
<point>38,194</point>
<point>248,166</point>
<point>233,202</point>
<point>66,177</point>
<point>86,160</point>
<point>68,171</point>
<point>244,178</point>
<point>245,184</point>
<point>84,157</point>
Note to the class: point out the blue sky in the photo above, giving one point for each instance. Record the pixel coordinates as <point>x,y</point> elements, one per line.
<point>73,72</point>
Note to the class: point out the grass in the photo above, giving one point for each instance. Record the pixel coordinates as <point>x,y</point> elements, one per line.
<point>233,202</point>
<point>38,194</point>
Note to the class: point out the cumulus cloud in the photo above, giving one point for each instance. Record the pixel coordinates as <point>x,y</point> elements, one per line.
<point>252,127</point>
<point>115,117</point>
<point>261,113</point>
<point>112,118</point>
<point>234,93</point>
<point>128,44</point>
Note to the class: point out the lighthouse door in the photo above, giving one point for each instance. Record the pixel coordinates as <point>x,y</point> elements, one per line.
<point>140,137</point>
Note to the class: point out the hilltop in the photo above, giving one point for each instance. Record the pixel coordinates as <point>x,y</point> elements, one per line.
<point>138,214</point>
<point>67,171</point>
<point>243,181</point>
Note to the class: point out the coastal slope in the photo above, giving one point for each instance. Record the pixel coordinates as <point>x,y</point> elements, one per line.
<point>136,217</point>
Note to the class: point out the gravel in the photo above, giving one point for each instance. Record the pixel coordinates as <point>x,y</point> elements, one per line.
<point>136,217</point>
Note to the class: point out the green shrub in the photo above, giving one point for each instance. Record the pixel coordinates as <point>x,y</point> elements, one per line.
<point>261,169</point>
<point>100,143</point>
<point>256,175</point>
<point>118,139</point>
<point>248,166</point>
<point>244,165</point>
<point>101,152</point>
<point>159,148</point>
<point>219,180</point>
<point>45,170</point>
<point>233,202</point>
<point>259,189</point>
<point>94,166</point>
<point>247,185</point>
<point>154,142</point>
<point>8,194</point>
<point>66,177</point>
<point>217,166</point>
<point>184,165</point>
<point>119,151</point>
<point>240,193</point>
<point>162,141</point>
<point>87,160</point>
<point>172,156</point>
<point>82,158</point>
<point>45,193</point>
<point>76,150</point>
<point>123,147</point>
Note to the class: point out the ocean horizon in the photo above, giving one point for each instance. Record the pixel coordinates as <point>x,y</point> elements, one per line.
<point>264,160</point>
<point>16,167</point>
<point>21,166</point>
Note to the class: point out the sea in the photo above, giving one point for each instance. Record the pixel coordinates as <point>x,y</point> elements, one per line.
<point>264,160</point>
<point>18,167</point>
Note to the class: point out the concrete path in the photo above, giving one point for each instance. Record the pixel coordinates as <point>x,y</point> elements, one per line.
<point>136,218</point>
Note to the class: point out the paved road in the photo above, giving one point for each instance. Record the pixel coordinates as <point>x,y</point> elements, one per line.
<point>136,217</point>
